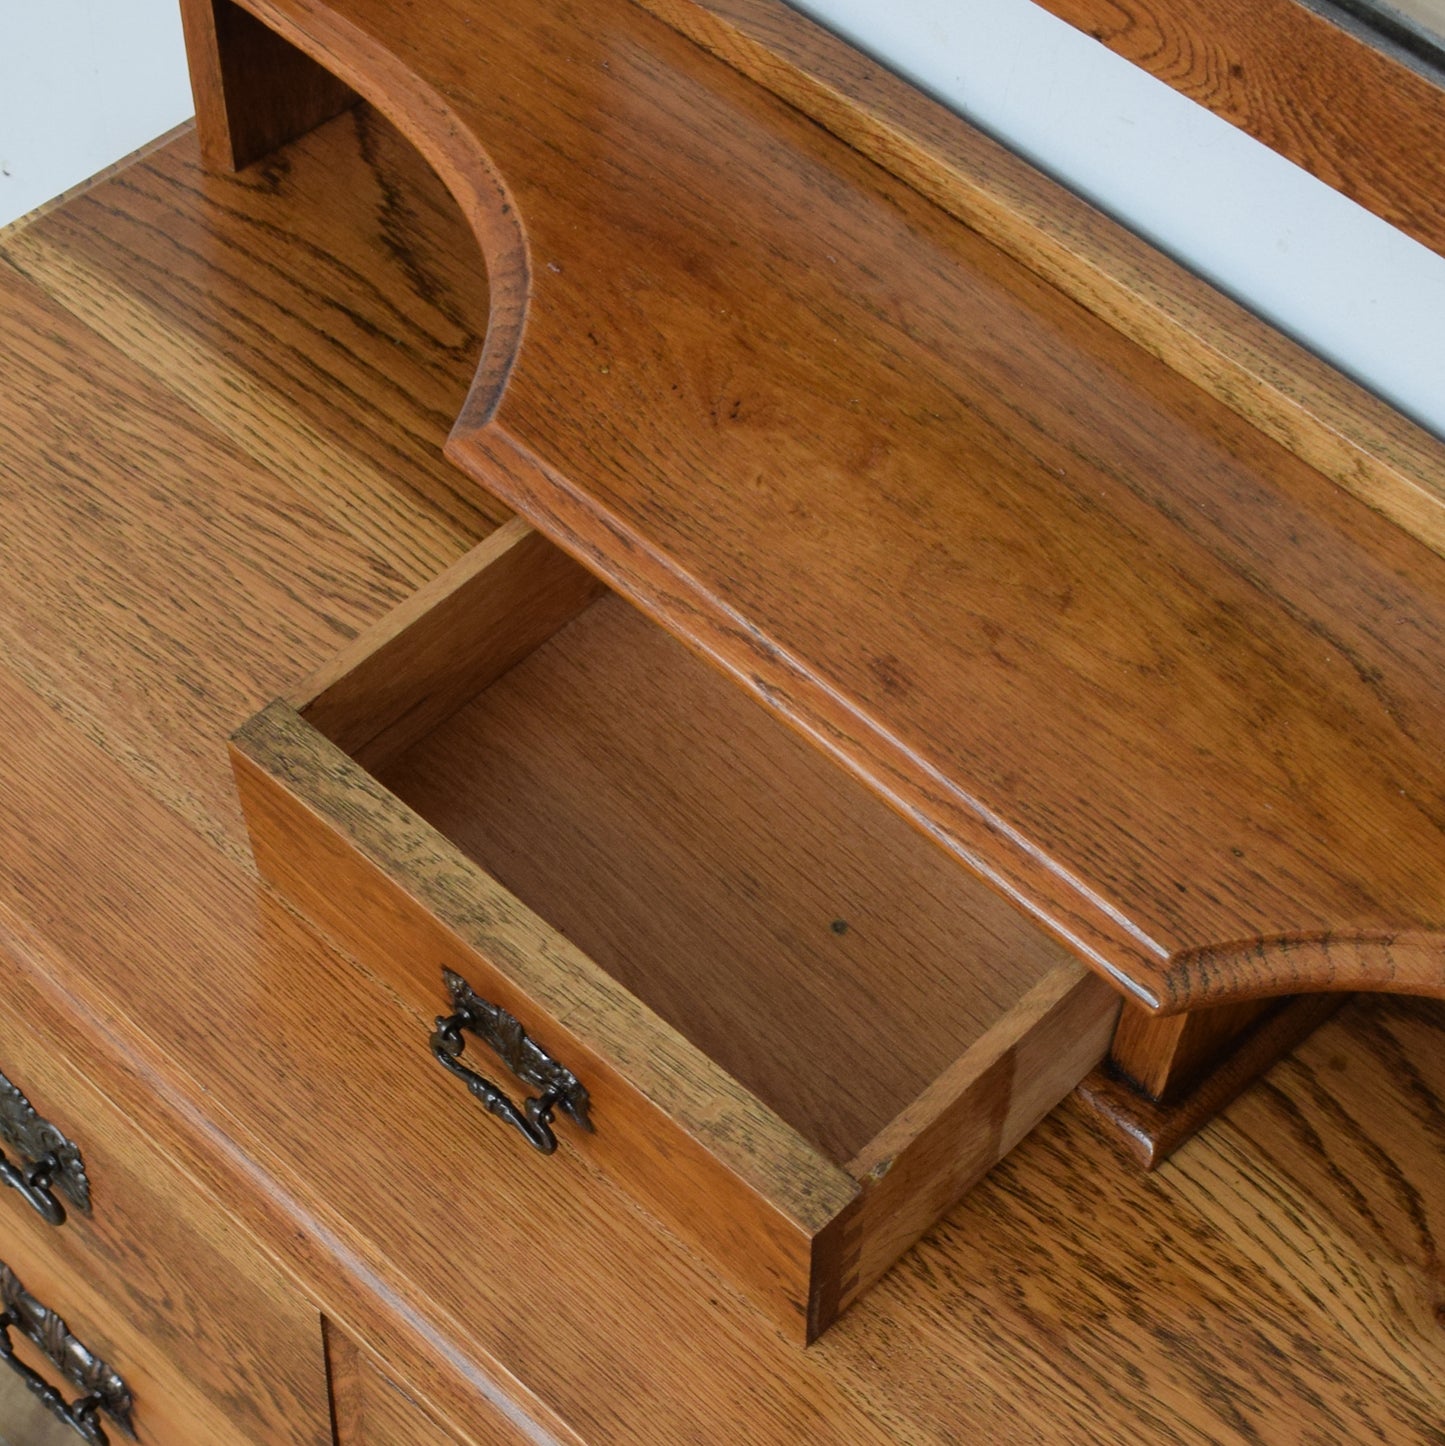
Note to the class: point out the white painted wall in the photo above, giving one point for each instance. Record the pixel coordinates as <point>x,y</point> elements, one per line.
<point>83,82</point>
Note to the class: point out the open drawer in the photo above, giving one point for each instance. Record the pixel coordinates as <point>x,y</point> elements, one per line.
<point>802,1027</point>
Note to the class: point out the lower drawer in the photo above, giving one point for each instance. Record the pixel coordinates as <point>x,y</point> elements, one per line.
<point>787,1022</point>
<point>212,1342</point>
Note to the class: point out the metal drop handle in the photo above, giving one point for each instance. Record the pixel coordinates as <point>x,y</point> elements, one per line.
<point>47,1162</point>
<point>32,1184</point>
<point>558,1088</point>
<point>101,1388</point>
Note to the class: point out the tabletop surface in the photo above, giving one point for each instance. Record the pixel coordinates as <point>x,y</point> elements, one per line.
<point>196,508</point>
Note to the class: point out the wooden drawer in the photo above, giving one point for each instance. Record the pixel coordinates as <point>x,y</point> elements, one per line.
<point>804,1029</point>
<point>206,1332</point>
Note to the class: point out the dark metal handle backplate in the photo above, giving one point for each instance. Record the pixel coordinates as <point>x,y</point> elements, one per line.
<point>558,1088</point>
<point>47,1162</point>
<point>101,1389</point>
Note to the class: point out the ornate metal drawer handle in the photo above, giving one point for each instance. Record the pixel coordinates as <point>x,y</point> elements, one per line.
<point>48,1161</point>
<point>101,1388</point>
<point>560,1088</point>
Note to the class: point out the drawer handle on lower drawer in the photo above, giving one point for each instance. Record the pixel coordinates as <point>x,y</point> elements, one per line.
<point>102,1389</point>
<point>49,1162</point>
<point>560,1088</point>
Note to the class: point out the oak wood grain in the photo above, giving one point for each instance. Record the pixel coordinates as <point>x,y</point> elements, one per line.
<point>1276,1281</point>
<point>1333,424</point>
<point>1009,1236</point>
<point>324,312</point>
<point>1164,1057</point>
<point>427,658</point>
<point>1115,747</point>
<point>370,1409</point>
<point>971,1329</point>
<point>969,1118</point>
<point>798,934</point>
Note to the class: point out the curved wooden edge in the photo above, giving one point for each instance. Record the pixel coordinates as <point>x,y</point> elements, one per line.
<point>458,158</point>
<point>1302,403</point>
<point>1408,962</point>
<point>1305,405</point>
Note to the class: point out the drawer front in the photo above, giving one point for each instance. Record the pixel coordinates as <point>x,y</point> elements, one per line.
<point>371,1409</point>
<point>211,1339</point>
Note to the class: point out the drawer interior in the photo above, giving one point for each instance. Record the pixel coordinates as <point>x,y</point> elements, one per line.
<point>806,1027</point>
<point>753,895</point>
<point>744,887</point>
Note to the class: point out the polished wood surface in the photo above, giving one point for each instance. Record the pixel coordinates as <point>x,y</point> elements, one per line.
<point>1317,91</point>
<point>1336,426</point>
<point>682,1135</point>
<point>1277,1280</point>
<point>1086,640</point>
<point>370,1409</point>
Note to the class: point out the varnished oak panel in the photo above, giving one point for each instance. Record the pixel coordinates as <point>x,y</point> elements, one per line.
<point>1164,1057</point>
<point>169,338</point>
<point>370,1409</point>
<point>1348,434</point>
<point>1063,608</point>
<point>1278,1280</point>
<point>716,1163</point>
<point>1150,1128</point>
